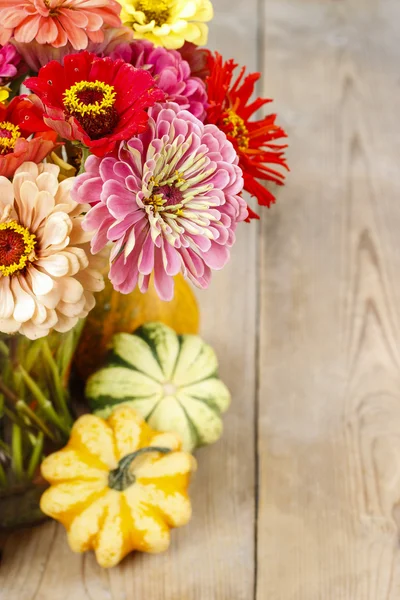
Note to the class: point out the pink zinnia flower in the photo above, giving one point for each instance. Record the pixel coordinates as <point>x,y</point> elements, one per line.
<point>57,22</point>
<point>10,60</point>
<point>171,72</point>
<point>169,202</point>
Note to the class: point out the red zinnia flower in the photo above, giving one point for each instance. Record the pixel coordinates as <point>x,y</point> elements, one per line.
<point>23,135</point>
<point>253,140</point>
<point>95,101</point>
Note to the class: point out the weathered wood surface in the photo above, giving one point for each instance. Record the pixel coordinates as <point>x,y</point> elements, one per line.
<point>307,326</point>
<point>329,414</point>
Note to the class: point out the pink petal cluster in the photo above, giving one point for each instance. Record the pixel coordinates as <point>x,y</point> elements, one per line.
<point>169,202</point>
<point>10,60</point>
<point>171,72</point>
<point>57,22</point>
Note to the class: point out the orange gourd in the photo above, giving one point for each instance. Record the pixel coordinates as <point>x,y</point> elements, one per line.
<point>118,313</point>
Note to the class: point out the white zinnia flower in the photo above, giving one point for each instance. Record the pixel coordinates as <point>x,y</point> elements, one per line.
<point>47,273</point>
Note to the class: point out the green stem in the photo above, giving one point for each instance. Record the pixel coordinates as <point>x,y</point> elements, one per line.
<point>122,477</point>
<point>58,387</point>
<point>67,351</point>
<point>36,456</point>
<point>4,349</point>
<point>3,477</point>
<point>85,155</point>
<point>16,448</point>
<point>8,393</point>
<point>5,448</point>
<point>44,403</point>
<point>15,419</point>
<point>32,355</point>
<point>26,410</point>
<point>13,346</point>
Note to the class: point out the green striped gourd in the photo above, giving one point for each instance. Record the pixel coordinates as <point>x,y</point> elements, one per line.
<point>169,379</point>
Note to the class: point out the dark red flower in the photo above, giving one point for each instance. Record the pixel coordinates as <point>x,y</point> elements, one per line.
<point>95,101</point>
<point>230,109</point>
<point>23,135</point>
<point>198,59</point>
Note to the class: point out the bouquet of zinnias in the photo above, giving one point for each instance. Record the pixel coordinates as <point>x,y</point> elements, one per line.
<point>125,150</point>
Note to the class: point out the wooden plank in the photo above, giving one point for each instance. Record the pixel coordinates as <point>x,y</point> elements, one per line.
<point>329,425</point>
<point>213,558</point>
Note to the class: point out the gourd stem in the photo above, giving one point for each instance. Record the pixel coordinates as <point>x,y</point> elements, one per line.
<point>121,478</point>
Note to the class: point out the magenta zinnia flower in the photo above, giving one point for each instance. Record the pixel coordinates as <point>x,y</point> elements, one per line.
<point>169,202</point>
<point>10,61</point>
<point>171,72</point>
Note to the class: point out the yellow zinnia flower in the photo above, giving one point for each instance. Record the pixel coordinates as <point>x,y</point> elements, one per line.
<point>168,23</point>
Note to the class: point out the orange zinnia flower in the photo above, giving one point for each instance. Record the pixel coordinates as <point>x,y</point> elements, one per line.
<point>57,22</point>
<point>254,140</point>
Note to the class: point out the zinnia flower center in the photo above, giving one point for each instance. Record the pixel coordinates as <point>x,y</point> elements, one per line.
<point>170,194</point>
<point>167,194</point>
<point>17,246</point>
<point>92,104</point>
<point>235,127</point>
<point>9,135</point>
<point>154,10</point>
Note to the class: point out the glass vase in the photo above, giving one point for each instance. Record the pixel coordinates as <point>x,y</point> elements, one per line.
<point>35,418</point>
<point>124,313</point>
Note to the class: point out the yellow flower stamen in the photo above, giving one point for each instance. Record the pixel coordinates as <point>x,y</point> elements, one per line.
<point>9,135</point>
<point>156,201</point>
<point>238,128</point>
<point>17,245</point>
<point>179,177</point>
<point>74,98</point>
<point>154,10</point>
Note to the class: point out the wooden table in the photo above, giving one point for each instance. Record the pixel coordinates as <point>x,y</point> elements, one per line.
<point>301,498</point>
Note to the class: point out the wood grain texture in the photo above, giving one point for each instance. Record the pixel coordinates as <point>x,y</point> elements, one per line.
<point>212,558</point>
<point>329,426</point>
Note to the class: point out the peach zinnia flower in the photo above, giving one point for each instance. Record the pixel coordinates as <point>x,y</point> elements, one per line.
<point>57,22</point>
<point>47,274</point>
